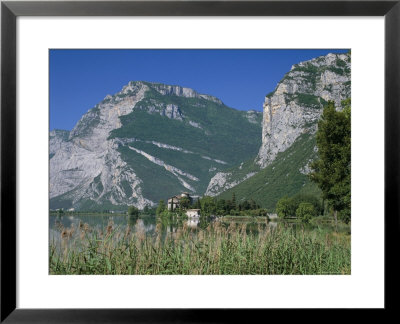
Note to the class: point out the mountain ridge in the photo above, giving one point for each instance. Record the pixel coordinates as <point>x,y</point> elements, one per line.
<point>146,130</point>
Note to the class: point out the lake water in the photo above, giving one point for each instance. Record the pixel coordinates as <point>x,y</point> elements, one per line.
<point>148,224</point>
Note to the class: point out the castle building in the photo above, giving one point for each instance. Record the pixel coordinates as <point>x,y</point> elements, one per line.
<point>174,202</point>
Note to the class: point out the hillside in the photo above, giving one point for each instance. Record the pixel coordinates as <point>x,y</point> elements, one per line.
<point>285,176</point>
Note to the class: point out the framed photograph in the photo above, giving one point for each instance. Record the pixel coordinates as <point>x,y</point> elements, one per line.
<point>163,158</point>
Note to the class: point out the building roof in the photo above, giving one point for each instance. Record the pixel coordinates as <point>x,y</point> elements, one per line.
<point>180,196</point>
<point>176,197</point>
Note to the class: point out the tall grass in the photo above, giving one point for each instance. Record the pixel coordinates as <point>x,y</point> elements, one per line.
<point>215,250</point>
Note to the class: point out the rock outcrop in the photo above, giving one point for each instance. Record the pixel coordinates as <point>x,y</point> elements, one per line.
<point>182,92</point>
<point>87,166</point>
<point>295,106</point>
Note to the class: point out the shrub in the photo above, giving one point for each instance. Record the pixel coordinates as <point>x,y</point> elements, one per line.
<point>308,100</point>
<point>307,198</point>
<point>305,212</point>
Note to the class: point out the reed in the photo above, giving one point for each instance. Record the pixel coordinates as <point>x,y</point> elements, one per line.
<point>218,249</point>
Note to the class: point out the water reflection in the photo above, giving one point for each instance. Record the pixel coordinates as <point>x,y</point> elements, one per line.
<point>63,226</point>
<point>192,222</point>
<point>145,224</point>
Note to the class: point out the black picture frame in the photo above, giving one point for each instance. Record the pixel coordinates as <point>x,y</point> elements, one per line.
<point>10,10</point>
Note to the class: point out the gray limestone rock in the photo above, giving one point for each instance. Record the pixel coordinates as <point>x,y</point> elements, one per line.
<point>295,106</point>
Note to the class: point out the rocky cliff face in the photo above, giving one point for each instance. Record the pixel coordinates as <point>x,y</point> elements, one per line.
<point>147,142</point>
<point>57,139</point>
<point>182,92</point>
<point>87,166</point>
<point>295,106</point>
<point>293,109</point>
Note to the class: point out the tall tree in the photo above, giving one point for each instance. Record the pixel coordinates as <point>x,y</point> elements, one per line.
<point>285,207</point>
<point>197,204</point>
<point>133,211</point>
<point>208,205</point>
<point>184,203</point>
<point>332,170</point>
<point>234,201</point>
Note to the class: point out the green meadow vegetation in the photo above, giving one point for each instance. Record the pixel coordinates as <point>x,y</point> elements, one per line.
<point>282,177</point>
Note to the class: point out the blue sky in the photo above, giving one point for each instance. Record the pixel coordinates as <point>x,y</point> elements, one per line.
<point>79,79</point>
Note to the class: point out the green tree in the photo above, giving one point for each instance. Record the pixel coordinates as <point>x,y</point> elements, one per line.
<point>184,203</point>
<point>208,205</point>
<point>133,211</point>
<point>305,211</point>
<point>161,207</point>
<point>332,170</point>
<point>233,201</point>
<point>245,205</point>
<point>228,206</point>
<point>285,207</point>
<point>315,201</point>
<point>197,204</point>
<point>146,210</point>
<point>221,207</point>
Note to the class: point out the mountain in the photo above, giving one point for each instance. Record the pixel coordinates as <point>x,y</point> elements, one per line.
<point>145,143</point>
<point>290,117</point>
